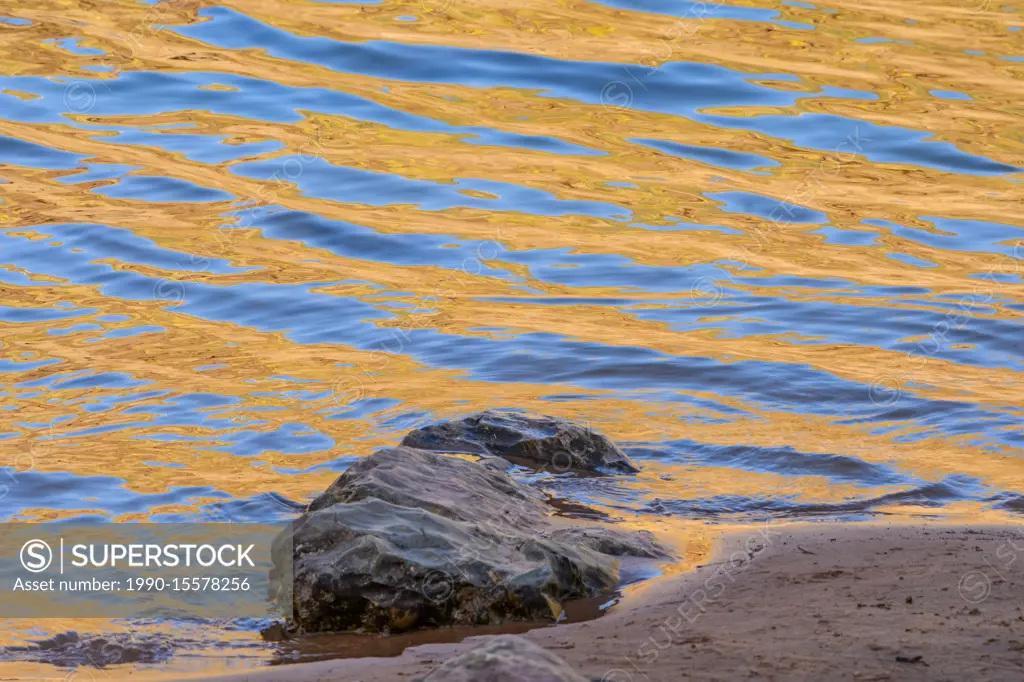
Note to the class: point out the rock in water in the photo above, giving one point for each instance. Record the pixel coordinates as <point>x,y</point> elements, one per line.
<point>408,538</point>
<point>639,543</point>
<point>506,658</point>
<point>72,650</point>
<point>557,443</point>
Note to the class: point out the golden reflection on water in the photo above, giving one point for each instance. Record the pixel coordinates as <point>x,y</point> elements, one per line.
<point>938,52</point>
<point>900,75</point>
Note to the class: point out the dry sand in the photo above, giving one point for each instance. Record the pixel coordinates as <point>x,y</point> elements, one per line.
<point>811,602</point>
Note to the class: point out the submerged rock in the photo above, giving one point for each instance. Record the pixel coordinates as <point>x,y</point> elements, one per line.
<point>70,649</point>
<point>408,538</point>
<point>640,543</point>
<point>506,658</point>
<point>557,443</point>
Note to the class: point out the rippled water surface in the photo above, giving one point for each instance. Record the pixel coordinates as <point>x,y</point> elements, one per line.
<point>774,248</point>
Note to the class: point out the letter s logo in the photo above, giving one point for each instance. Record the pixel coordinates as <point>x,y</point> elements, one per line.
<point>36,556</point>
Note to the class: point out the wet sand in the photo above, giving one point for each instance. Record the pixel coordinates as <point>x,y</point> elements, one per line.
<point>808,602</point>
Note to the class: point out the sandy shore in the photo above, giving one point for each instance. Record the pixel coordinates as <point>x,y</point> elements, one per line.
<point>810,602</point>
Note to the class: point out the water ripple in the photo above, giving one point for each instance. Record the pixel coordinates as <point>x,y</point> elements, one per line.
<point>775,249</point>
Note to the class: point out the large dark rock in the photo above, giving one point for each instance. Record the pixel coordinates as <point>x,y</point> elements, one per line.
<point>408,538</point>
<point>506,658</point>
<point>556,443</point>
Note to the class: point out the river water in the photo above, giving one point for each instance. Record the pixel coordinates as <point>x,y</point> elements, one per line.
<point>775,249</point>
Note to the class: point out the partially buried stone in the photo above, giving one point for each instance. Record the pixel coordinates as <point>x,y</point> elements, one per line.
<point>506,658</point>
<point>556,443</point>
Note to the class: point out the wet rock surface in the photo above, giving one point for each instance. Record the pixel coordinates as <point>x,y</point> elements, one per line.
<point>506,658</point>
<point>70,649</point>
<point>640,543</point>
<point>555,443</point>
<point>409,538</point>
<point>452,487</point>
